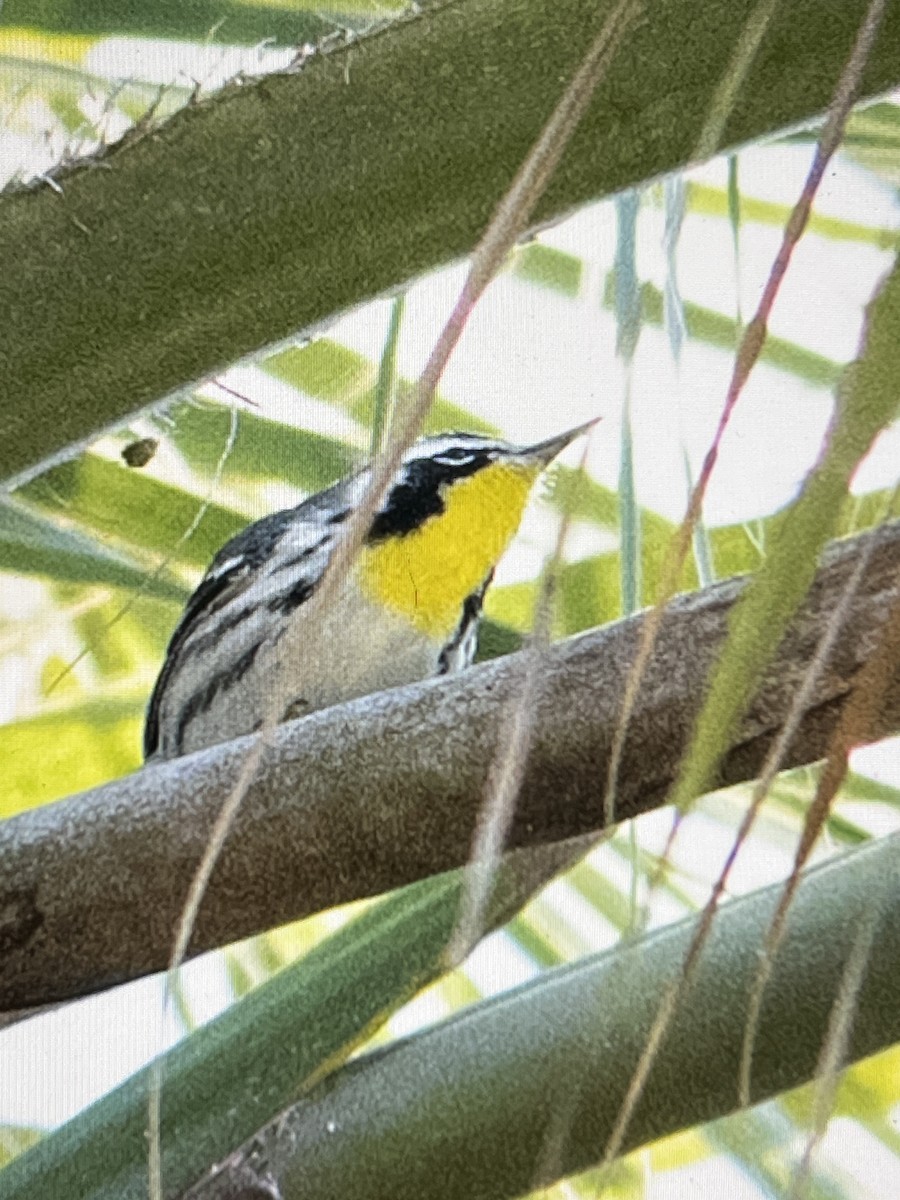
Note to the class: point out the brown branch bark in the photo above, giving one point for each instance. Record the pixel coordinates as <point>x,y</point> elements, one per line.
<point>371,795</point>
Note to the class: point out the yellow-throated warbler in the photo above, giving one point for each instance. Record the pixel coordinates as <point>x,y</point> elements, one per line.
<point>408,608</point>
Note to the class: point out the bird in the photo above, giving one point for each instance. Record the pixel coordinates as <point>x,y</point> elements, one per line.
<point>407,609</point>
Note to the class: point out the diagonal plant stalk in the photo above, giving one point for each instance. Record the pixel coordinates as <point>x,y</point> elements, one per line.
<point>748,353</point>
<point>508,768</point>
<point>507,224</point>
<point>859,716</point>
<point>745,655</point>
<point>837,1036</point>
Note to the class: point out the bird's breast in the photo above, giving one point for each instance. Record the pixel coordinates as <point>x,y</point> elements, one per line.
<point>425,576</point>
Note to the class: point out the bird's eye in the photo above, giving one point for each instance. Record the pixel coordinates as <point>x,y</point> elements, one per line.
<point>454,454</point>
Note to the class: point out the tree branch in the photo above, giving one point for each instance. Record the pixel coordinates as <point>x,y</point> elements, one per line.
<point>365,797</point>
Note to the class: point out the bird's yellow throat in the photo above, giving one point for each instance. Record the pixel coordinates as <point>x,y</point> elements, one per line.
<point>426,575</point>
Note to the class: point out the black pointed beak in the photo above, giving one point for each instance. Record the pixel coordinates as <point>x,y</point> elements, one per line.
<point>545,452</point>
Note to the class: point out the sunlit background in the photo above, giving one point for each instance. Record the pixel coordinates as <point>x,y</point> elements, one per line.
<point>81,639</point>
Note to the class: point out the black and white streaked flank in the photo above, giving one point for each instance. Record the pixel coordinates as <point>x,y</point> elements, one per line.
<point>215,684</point>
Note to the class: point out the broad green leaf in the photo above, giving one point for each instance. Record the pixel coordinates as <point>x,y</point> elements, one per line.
<point>134,508</point>
<point>16,1138</point>
<point>341,376</point>
<point>73,747</point>
<point>550,268</point>
<point>866,402</point>
<point>713,201</point>
<point>234,21</point>
<point>861,788</point>
<point>264,224</point>
<point>263,449</point>
<point>496,639</point>
<point>423,1117</point>
<point>231,1076</point>
<point>324,369</point>
<point>716,329</point>
<point>31,544</point>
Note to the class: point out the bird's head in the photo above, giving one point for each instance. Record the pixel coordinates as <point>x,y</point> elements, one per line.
<point>448,517</point>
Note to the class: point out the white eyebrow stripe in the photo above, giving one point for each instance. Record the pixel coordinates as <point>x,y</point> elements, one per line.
<point>452,454</point>
<point>434,447</point>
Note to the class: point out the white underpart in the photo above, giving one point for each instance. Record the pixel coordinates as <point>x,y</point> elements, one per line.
<point>355,648</point>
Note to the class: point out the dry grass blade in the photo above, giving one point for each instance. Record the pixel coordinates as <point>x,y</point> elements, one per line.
<point>773,763</point>
<point>167,559</point>
<point>835,1045</point>
<point>748,353</point>
<point>859,716</point>
<point>508,223</point>
<point>508,770</point>
<point>751,345</point>
<point>733,77</point>
<point>777,755</point>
